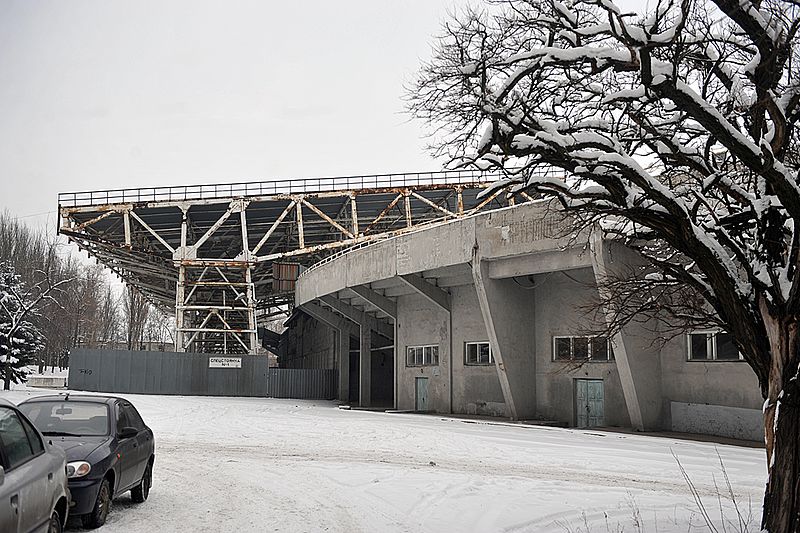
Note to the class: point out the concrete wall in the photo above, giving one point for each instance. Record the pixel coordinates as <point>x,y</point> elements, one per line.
<point>713,397</point>
<point>563,307</point>
<point>476,389</point>
<point>420,322</point>
<point>647,386</point>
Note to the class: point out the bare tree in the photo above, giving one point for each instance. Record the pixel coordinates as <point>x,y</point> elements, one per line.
<point>674,131</point>
<point>136,310</point>
<point>20,339</point>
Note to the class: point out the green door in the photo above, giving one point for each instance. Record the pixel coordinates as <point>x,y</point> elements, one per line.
<point>421,403</point>
<point>589,403</point>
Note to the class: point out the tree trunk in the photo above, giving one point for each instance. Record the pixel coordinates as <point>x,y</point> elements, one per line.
<point>782,428</point>
<point>782,498</point>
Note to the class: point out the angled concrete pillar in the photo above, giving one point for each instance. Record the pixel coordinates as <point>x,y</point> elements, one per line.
<point>343,338</point>
<point>637,360</point>
<point>365,366</point>
<point>344,330</point>
<point>508,314</point>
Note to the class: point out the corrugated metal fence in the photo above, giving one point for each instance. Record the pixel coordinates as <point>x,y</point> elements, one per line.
<point>193,374</point>
<point>189,374</point>
<point>316,384</point>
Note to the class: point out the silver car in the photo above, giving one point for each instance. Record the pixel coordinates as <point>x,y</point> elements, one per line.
<point>33,477</point>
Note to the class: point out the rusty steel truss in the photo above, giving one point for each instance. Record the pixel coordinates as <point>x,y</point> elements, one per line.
<point>205,252</point>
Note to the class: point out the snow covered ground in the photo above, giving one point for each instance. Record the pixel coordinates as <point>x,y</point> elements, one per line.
<point>253,464</point>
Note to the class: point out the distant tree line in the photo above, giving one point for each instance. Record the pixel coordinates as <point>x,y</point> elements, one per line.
<point>84,306</point>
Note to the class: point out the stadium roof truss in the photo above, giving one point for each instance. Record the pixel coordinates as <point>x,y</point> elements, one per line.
<point>207,252</point>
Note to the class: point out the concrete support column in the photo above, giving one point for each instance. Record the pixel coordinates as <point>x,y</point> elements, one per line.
<point>637,360</point>
<point>343,336</point>
<point>365,366</point>
<point>508,314</point>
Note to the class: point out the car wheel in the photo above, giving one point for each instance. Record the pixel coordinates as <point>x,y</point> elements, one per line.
<point>101,507</point>
<point>55,523</point>
<point>140,492</point>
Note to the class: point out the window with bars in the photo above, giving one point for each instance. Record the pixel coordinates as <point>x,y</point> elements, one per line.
<point>582,348</point>
<point>712,345</point>
<point>478,353</point>
<point>427,355</point>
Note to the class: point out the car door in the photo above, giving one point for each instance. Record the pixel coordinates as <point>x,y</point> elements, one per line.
<point>144,439</point>
<point>25,500</point>
<point>127,451</point>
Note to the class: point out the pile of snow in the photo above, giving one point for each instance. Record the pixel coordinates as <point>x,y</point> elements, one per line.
<point>253,464</point>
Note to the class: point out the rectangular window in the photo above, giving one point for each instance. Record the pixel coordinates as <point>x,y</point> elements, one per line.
<point>582,348</point>
<point>712,346</point>
<point>478,353</point>
<point>422,355</point>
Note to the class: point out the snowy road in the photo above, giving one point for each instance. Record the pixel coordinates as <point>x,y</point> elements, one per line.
<point>246,464</point>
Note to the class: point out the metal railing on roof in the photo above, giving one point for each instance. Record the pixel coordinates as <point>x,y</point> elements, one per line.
<point>267,188</point>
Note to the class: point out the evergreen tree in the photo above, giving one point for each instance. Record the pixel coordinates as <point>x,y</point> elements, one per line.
<point>20,339</point>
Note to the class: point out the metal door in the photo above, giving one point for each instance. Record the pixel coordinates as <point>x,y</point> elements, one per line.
<point>589,403</point>
<point>422,394</point>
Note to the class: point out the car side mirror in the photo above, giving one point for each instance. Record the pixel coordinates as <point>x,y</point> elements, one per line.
<point>128,432</point>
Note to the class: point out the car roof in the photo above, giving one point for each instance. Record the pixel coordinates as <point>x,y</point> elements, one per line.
<point>67,397</point>
<point>6,403</point>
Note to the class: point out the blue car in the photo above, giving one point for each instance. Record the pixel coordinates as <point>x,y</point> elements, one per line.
<point>110,450</point>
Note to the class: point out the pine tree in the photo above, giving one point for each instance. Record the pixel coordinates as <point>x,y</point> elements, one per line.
<point>20,339</point>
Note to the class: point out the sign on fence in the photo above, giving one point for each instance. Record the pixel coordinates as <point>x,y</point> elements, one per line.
<point>224,362</point>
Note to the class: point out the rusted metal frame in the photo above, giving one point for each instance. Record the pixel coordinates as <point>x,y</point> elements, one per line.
<point>243,189</point>
<point>195,330</point>
<point>229,284</point>
<point>383,213</point>
<point>251,310</point>
<point>354,214</point>
<point>152,231</point>
<point>433,205</point>
<point>300,234</point>
<point>272,228</point>
<point>218,283</point>
<point>460,200</point>
<point>245,237</point>
<point>407,206</point>
<point>325,217</point>
<point>235,334</point>
<point>180,300</point>
<point>485,201</point>
<point>84,225</point>
<point>213,229</point>
<point>224,307</point>
<point>126,218</point>
<point>218,330</point>
<point>194,288</point>
<point>272,197</point>
<point>526,196</point>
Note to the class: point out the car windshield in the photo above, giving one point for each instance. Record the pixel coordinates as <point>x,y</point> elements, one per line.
<point>68,419</point>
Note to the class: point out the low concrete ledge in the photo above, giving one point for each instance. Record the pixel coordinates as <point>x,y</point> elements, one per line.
<point>47,382</point>
<point>731,422</point>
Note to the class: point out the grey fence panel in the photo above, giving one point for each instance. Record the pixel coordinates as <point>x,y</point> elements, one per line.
<point>312,384</point>
<point>106,378</point>
<point>122,372</point>
<point>153,372</point>
<point>140,372</point>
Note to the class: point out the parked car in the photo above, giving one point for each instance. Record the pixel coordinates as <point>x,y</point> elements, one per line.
<point>33,477</point>
<point>110,450</point>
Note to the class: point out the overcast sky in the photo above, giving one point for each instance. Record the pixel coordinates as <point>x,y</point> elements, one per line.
<point>99,94</point>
